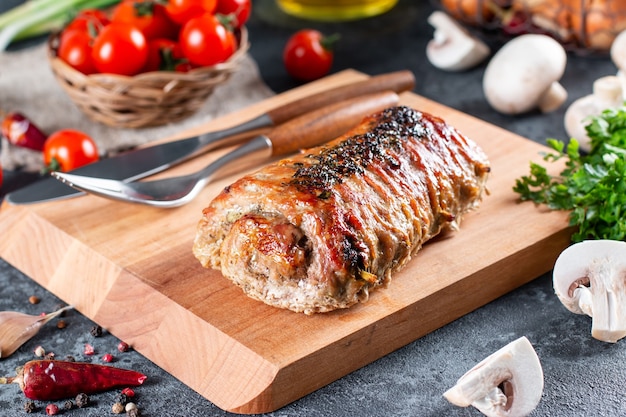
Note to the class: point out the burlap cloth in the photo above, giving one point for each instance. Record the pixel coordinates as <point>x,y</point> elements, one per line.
<point>28,86</point>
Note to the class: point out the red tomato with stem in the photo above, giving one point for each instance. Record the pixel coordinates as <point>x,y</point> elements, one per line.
<point>308,54</point>
<point>75,47</point>
<point>205,41</point>
<point>149,17</point>
<point>163,55</point>
<point>89,17</point>
<point>120,48</point>
<point>238,9</point>
<point>68,149</point>
<point>181,11</point>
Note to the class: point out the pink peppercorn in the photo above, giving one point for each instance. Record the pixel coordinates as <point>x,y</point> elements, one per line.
<point>89,350</point>
<point>52,409</point>
<point>107,357</point>
<point>128,392</point>
<point>123,347</point>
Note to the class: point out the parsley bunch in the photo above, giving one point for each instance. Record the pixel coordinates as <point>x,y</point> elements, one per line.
<point>592,186</point>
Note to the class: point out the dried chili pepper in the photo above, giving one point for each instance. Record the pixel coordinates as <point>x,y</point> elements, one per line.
<point>53,380</point>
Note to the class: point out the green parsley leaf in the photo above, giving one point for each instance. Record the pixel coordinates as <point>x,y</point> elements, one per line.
<point>592,186</point>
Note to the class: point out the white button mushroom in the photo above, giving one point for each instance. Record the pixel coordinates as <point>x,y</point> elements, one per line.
<point>607,93</point>
<point>524,74</point>
<point>589,278</point>
<point>507,383</point>
<point>453,48</point>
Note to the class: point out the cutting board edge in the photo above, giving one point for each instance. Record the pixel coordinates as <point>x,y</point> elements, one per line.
<point>547,248</point>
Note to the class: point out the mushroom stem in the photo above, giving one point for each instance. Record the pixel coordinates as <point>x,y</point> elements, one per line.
<point>552,98</point>
<point>508,382</point>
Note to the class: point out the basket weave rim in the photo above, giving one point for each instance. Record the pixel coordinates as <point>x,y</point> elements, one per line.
<point>244,46</point>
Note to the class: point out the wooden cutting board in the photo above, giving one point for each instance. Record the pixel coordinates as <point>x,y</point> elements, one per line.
<point>130,269</point>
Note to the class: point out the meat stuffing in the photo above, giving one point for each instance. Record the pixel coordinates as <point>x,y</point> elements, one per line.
<point>319,231</point>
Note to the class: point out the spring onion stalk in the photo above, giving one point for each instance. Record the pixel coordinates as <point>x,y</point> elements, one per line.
<point>35,17</point>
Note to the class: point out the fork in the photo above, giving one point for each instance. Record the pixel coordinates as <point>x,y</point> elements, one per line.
<point>311,129</point>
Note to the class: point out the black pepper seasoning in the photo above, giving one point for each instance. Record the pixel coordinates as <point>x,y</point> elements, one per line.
<point>82,400</point>
<point>96,331</point>
<point>29,407</point>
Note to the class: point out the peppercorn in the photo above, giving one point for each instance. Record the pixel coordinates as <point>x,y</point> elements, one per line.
<point>40,351</point>
<point>123,347</point>
<point>128,392</point>
<point>132,410</point>
<point>121,398</point>
<point>107,357</point>
<point>52,409</point>
<point>117,408</point>
<point>49,356</point>
<point>133,413</point>
<point>70,358</point>
<point>33,299</point>
<point>89,349</point>
<point>82,400</point>
<point>30,407</point>
<point>69,405</point>
<point>61,324</point>
<point>96,331</point>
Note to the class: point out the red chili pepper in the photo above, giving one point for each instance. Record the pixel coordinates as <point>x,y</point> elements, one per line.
<point>20,131</point>
<point>48,380</point>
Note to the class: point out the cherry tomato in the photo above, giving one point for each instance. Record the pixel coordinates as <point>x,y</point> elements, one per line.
<point>150,18</point>
<point>75,49</point>
<point>120,48</point>
<point>89,17</point>
<point>308,55</point>
<point>239,9</point>
<point>181,11</point>
<point>68,149</point>
<point>163,55</point>
<point>205,41</point>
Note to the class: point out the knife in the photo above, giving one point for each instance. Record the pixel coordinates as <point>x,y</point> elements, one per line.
<point>142,162</point>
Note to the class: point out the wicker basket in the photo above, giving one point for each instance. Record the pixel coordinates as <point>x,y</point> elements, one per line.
<point>147,99</point>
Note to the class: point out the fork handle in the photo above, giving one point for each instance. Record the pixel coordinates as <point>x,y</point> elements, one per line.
<point>325,124</point>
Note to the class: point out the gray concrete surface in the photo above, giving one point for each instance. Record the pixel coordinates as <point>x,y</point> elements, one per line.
<point>583,377</point>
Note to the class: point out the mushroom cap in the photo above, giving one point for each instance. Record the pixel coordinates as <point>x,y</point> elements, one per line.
<point>523,72</point>
<point>589,278</point>
<point>509,382</point>
<point>607,93</point>
<point>618,50</point>
<point>453,48</point>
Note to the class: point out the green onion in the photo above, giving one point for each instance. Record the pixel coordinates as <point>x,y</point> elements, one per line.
<point>36,17</point>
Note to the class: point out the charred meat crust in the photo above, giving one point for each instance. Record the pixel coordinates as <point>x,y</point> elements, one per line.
<point>318,231</point>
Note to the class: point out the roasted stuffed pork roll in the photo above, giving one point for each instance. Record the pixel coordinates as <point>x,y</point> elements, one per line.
<point>319,231</point>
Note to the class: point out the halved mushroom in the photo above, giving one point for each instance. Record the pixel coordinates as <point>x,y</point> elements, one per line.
<point>524,74</point>
<point>589,278</point>
<point>507,383</point>
<point>453,48</point>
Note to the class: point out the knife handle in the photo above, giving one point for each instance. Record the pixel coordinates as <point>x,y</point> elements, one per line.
<point>325,124</point>
<point>398,82</point>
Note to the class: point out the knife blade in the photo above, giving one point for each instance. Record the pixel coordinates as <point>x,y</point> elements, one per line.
<point>145,161</point>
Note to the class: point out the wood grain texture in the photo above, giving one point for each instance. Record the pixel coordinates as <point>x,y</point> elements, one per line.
<point>130,269</point>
